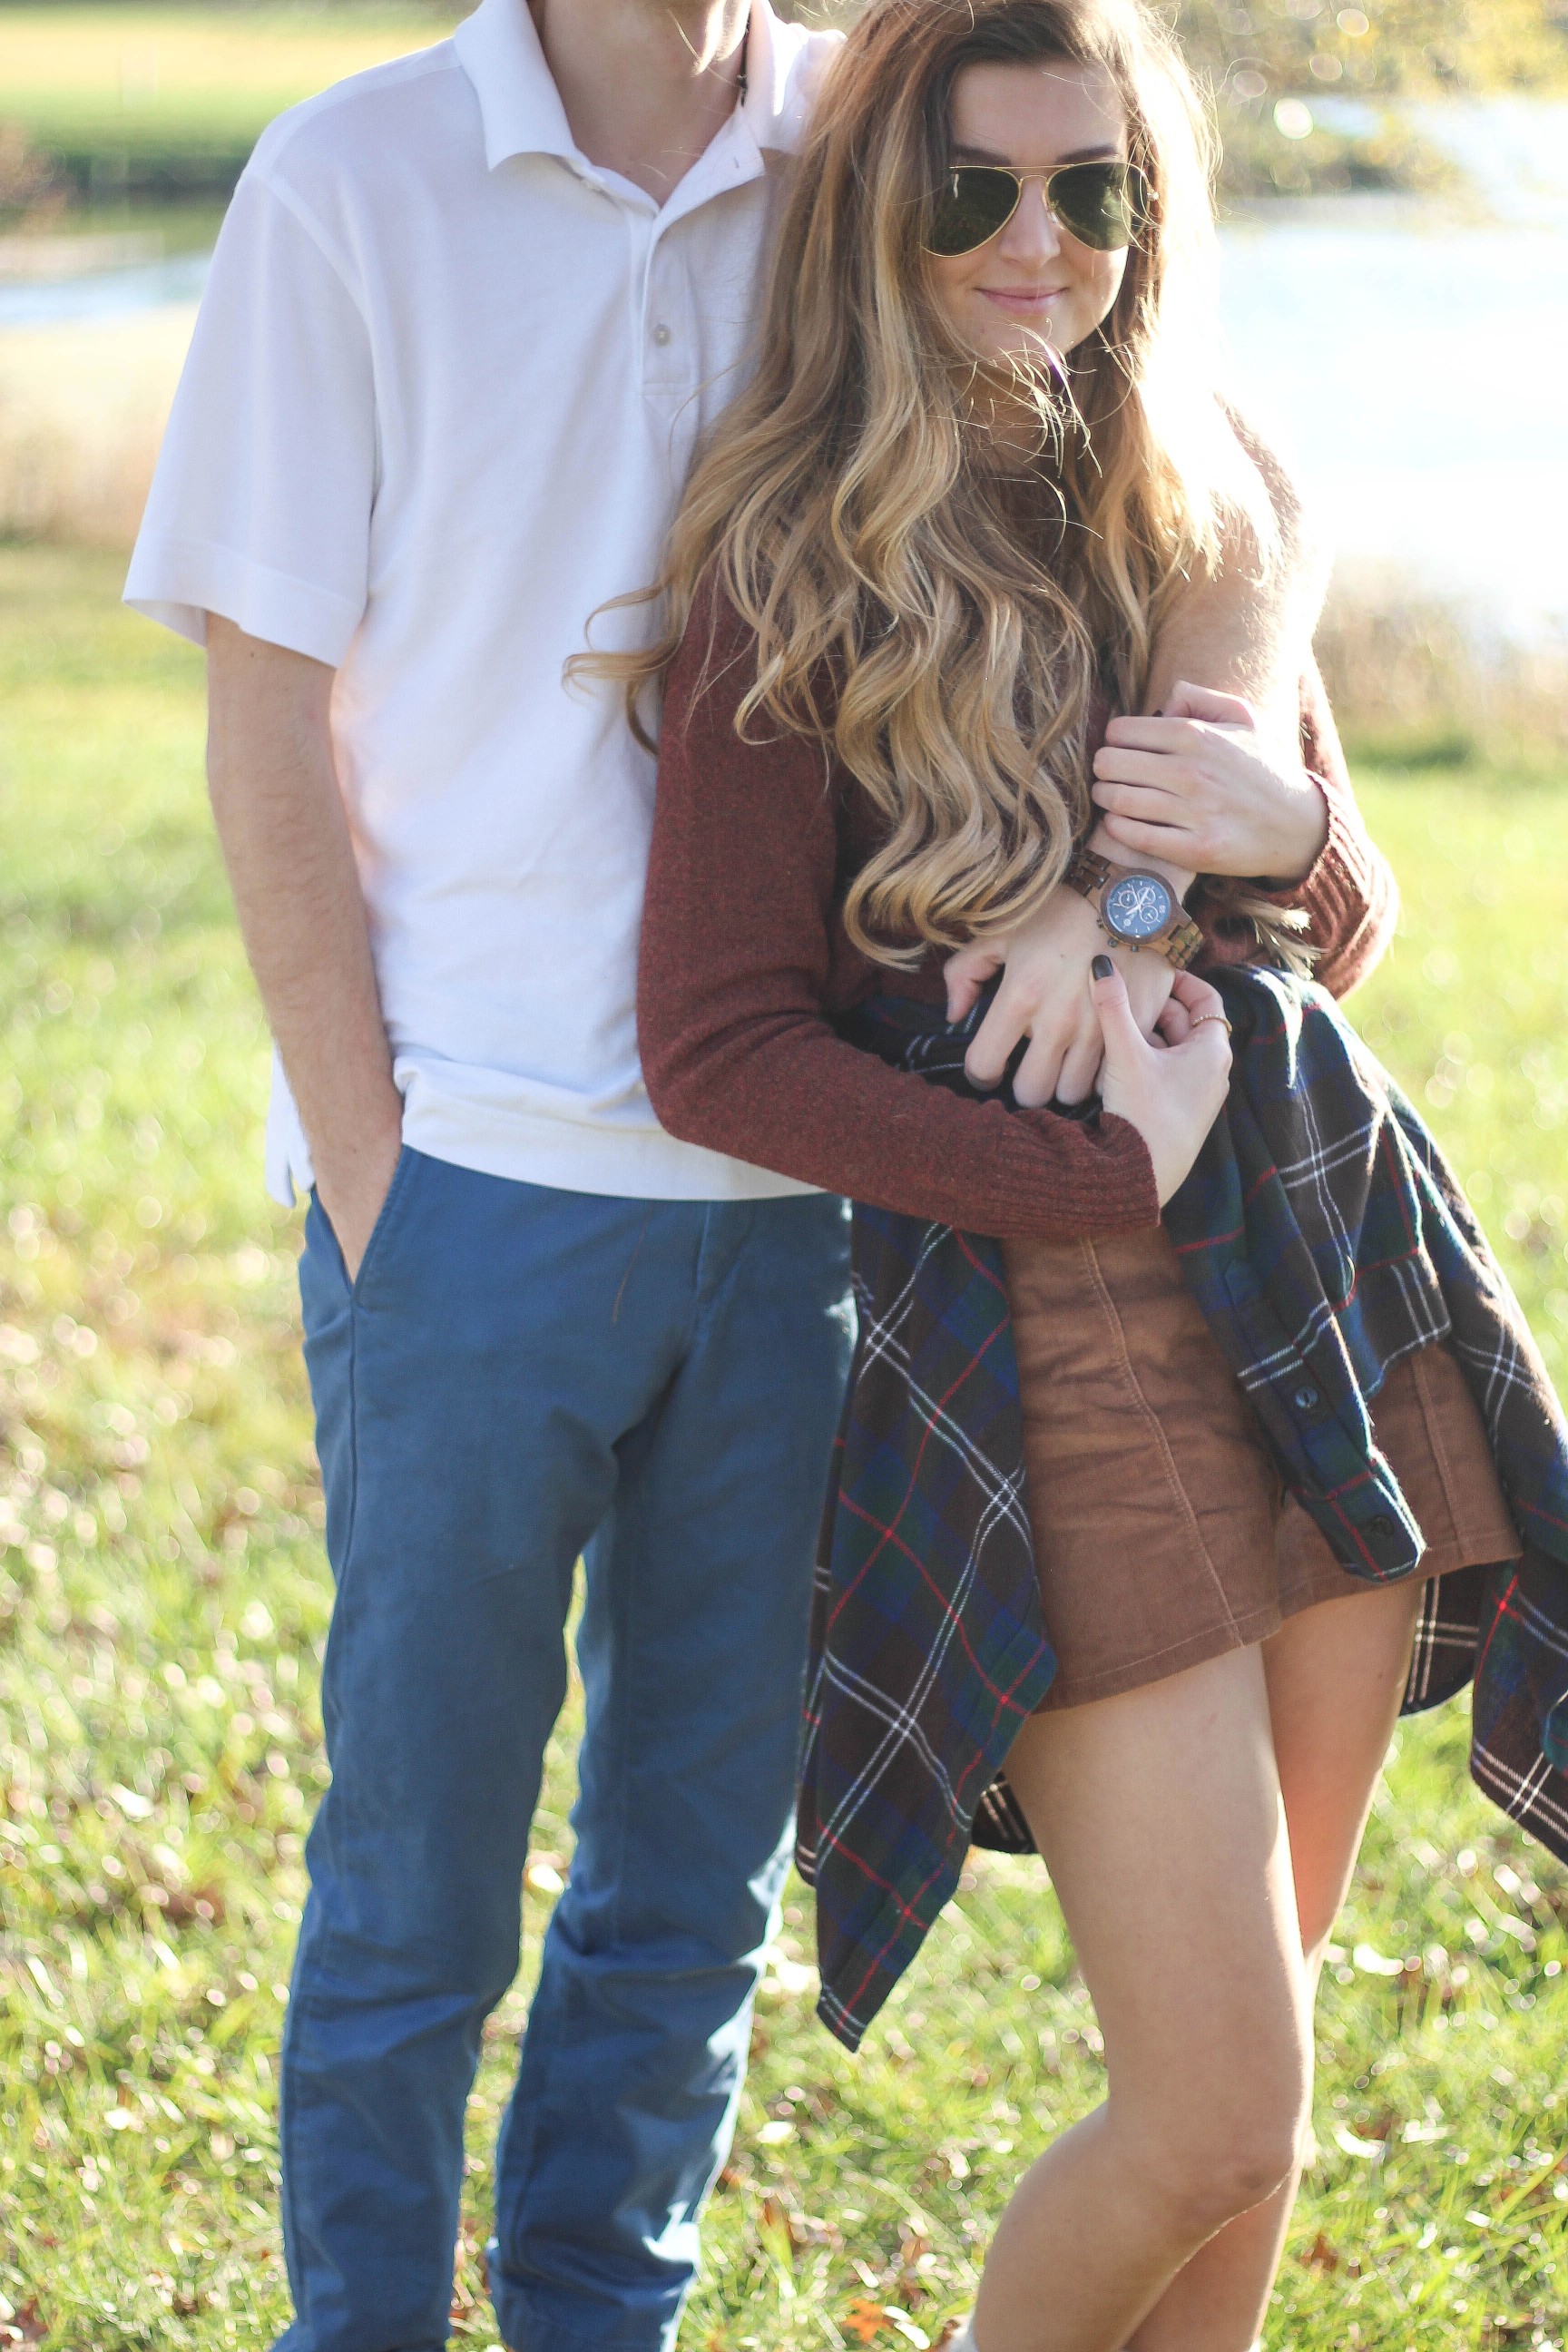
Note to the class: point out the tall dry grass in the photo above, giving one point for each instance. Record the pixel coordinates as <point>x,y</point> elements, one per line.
<point>1429,681</point>
<point>82,409</point>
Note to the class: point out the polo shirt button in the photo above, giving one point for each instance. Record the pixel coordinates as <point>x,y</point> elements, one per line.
<point>1304,1399</point>
<point>661,335</point>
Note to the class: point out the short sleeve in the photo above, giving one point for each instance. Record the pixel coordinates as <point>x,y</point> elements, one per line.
<point>261,506</point>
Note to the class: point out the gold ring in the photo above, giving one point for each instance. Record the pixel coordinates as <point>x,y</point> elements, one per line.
<point>1199,1017</point>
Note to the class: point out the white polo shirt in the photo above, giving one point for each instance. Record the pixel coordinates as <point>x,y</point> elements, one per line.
<point>441,399</point>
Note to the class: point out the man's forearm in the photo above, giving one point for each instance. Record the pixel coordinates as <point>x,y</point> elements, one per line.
<point>286,841</point>
<point>1248,630</point>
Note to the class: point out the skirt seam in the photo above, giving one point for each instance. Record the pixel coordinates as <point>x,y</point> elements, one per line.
<point>1151,1421</point>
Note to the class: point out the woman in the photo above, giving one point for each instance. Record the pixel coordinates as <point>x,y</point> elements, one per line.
<point>951,518</point>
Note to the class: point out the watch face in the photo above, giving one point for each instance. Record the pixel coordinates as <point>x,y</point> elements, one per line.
<point>1139,907</point>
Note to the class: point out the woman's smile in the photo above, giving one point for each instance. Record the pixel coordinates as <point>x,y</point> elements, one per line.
<point>1022,301</point>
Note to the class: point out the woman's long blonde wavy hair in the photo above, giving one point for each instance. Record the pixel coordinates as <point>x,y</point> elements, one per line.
<point>937,623</point>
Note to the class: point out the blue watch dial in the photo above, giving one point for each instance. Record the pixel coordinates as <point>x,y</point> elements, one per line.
<point>1139,907</point>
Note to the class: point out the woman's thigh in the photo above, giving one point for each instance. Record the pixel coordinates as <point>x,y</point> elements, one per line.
<point>1335,1676</point>
<point>1160,1817</point>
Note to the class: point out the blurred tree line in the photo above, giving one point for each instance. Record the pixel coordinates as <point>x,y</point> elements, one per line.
<point>1408,45</point>
<point>1308,94</point>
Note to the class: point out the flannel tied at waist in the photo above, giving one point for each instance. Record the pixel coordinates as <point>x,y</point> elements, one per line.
<point>1324,1238</point>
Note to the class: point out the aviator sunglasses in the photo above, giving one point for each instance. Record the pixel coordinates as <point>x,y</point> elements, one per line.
<point>1095,203</point>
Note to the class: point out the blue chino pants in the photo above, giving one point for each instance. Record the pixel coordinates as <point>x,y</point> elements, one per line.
<point>520,1376</point>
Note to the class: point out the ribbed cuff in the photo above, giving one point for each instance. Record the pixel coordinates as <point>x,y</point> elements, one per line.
<point>1123,1197</point>
<point>1327,875</point>
<point>1349,894</point>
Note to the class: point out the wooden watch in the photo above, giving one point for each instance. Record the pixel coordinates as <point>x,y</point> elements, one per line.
<point>1136,908</point>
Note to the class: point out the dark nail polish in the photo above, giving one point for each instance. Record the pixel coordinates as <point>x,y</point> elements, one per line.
<point>1103,966</point>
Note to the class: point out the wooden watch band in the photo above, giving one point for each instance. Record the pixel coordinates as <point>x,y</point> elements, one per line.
<point>1090,875</point>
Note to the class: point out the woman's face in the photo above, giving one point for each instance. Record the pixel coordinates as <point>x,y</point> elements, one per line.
<point>1034,283</point>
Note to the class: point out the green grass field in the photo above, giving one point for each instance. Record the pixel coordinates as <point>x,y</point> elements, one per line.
<point>176,97</point>
<point>163,1600</point>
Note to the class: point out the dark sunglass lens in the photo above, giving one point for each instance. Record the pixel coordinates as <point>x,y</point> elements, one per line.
<point>1094,203</point>
<point>972,202</point>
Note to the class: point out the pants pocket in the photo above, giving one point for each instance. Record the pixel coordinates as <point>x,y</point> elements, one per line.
<point>386,1217</point>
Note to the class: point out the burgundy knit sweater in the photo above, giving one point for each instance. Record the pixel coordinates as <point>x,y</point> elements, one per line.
<point>746,964</point>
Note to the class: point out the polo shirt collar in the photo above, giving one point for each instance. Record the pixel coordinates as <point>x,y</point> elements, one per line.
<point>498,49</point>
<point>520,105</point>
<point>775,105</point>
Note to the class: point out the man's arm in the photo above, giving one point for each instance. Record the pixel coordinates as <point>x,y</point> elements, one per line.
<point>1245,629</point>
<point>285,838</point>
<point>1192,798</point>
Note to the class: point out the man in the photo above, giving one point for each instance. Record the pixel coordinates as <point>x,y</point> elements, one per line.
<point>468,316</point>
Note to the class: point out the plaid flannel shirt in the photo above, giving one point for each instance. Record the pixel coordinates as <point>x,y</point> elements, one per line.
<point>1324,1237</point>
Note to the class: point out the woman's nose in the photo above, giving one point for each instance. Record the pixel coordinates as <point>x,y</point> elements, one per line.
<point>1032,234</point>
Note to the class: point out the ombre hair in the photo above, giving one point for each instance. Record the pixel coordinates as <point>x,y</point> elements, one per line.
<point>937,623</point>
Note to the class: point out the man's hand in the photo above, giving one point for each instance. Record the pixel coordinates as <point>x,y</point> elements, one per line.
<point>1201,787</point>
<point>1171,1090</point>
<point>1042,998</point>
<point>353,1189</point>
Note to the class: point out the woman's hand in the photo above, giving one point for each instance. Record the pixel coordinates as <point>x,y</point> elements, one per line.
<point>1202,788</point>
<point>1174,1089</point>
<point>1042,998</point>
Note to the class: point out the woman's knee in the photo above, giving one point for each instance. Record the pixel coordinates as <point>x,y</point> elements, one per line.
<point>1232,2177</point>
<point>1218,2144</point>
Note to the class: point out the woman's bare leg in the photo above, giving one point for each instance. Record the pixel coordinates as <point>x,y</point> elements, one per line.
<point>1336,1677</point>
<point>1160,1818</point>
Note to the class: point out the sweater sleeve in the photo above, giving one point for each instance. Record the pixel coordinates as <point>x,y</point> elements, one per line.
<point>1350,896</point>
<point>738,1048</point>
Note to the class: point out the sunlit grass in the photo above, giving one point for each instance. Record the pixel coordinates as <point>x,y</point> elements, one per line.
<point>162,1601</point>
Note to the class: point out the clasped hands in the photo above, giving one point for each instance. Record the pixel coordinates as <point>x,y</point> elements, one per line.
<point>1198,790</point>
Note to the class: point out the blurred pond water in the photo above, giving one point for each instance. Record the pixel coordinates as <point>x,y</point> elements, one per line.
<point>1410,359</point>
<point>103,294</point>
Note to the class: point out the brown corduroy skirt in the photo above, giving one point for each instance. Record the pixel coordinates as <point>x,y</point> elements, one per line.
<point>1163,1532</point>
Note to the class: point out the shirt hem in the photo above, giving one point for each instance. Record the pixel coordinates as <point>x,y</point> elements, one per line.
<point>561,1157</point>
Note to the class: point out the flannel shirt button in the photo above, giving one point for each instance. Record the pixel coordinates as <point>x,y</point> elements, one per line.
<point>1305,1399</point>
<point>1382,1526</point>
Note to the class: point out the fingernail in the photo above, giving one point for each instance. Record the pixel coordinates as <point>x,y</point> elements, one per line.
<point>1103,966</point>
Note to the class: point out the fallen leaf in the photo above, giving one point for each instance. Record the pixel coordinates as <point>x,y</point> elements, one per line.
<point>773,2229</point>
<point>1320,2256</point>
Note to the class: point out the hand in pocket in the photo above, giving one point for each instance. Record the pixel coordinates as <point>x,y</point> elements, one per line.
<point>354,1194</point>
